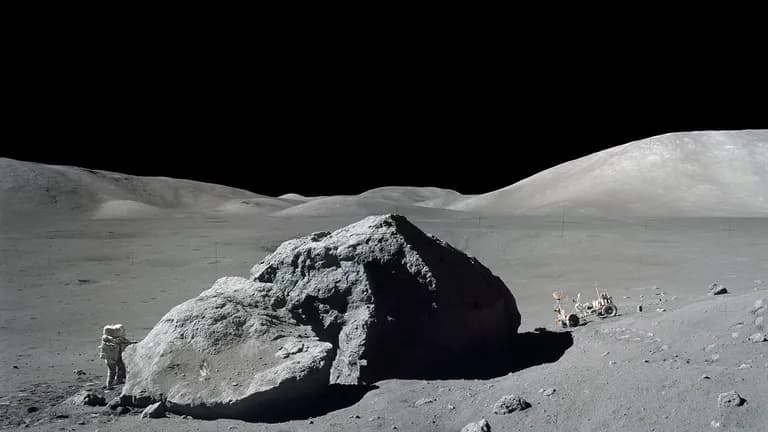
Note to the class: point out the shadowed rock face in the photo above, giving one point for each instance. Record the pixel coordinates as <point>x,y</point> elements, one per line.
<point>376,299</point>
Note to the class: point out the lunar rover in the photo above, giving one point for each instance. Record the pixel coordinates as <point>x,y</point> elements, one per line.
<point>603,307</point>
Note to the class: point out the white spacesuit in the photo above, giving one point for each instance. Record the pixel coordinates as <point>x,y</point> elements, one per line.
<point>113,342</point>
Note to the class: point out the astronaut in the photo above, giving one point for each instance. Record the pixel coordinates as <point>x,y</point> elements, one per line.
<point>113,342</point>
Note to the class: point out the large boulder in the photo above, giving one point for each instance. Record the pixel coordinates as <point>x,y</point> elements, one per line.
<point>376,299</point>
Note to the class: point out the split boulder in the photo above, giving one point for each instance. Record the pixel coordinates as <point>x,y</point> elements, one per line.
<point>373,300</point>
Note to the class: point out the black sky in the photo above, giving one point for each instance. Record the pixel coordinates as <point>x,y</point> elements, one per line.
<point>339,115</point>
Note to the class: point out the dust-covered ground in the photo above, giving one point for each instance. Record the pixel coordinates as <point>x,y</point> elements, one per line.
<point>61,280</point>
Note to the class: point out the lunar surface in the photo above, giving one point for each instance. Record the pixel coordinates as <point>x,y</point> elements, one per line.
<point>654,223</point>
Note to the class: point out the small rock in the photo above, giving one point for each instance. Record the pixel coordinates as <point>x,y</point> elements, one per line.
<point>605,353</point>
<point>646,361</point>
<point>735,335</point>
<point>123,410</point>
<point>87,397</point>
<point>744,366</point>
<point>757,337</point>
<point>730,399</point>
<point>354,416</point>
<point>114,403</point>
<point>78,372</point>
<point>451,407</point>
<point>423,401</point>
<point>717,289</point>
<point>510,403</point>
<point>32,409</point>
<point>660,310</point>
<point>705,377</point>
<point>480,426</point>
<point>715,424</point>
<point>710,347</point>
<point>639,308</point>
<point>612,362</point>
<point>549,392</point>
<point>759,304</point>
<point>156,410</point>
<point>15,367</point>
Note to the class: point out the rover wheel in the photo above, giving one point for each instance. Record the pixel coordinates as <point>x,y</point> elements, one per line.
<point>573,320</point>
<point>609,310</point>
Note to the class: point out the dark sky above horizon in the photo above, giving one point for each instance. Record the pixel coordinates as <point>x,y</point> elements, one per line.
<point>344,118</point>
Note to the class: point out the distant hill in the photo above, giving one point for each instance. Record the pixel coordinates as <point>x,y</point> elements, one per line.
<point>420,196</point>
<point>31,187</point>
<point>679,174</point>
<point>359,206</point>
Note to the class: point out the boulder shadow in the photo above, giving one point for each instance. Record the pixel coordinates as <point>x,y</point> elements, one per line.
<point>526,350</point>
<point>335,397</point>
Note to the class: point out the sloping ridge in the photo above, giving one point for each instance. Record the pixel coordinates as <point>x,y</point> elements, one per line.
<point>413,195</point>
<point>33,187</point>
<point>359,206</point>
<point>712,173</point>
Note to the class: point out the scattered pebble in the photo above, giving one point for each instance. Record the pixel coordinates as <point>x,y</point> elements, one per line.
<point>424,401</point>
<point>156,410</point>
<point>717,289</point>
<point>730,399</point>
<point>87,397</point>
<point>509,404</point>
<point>123,410</point>
<point>480,426</point>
